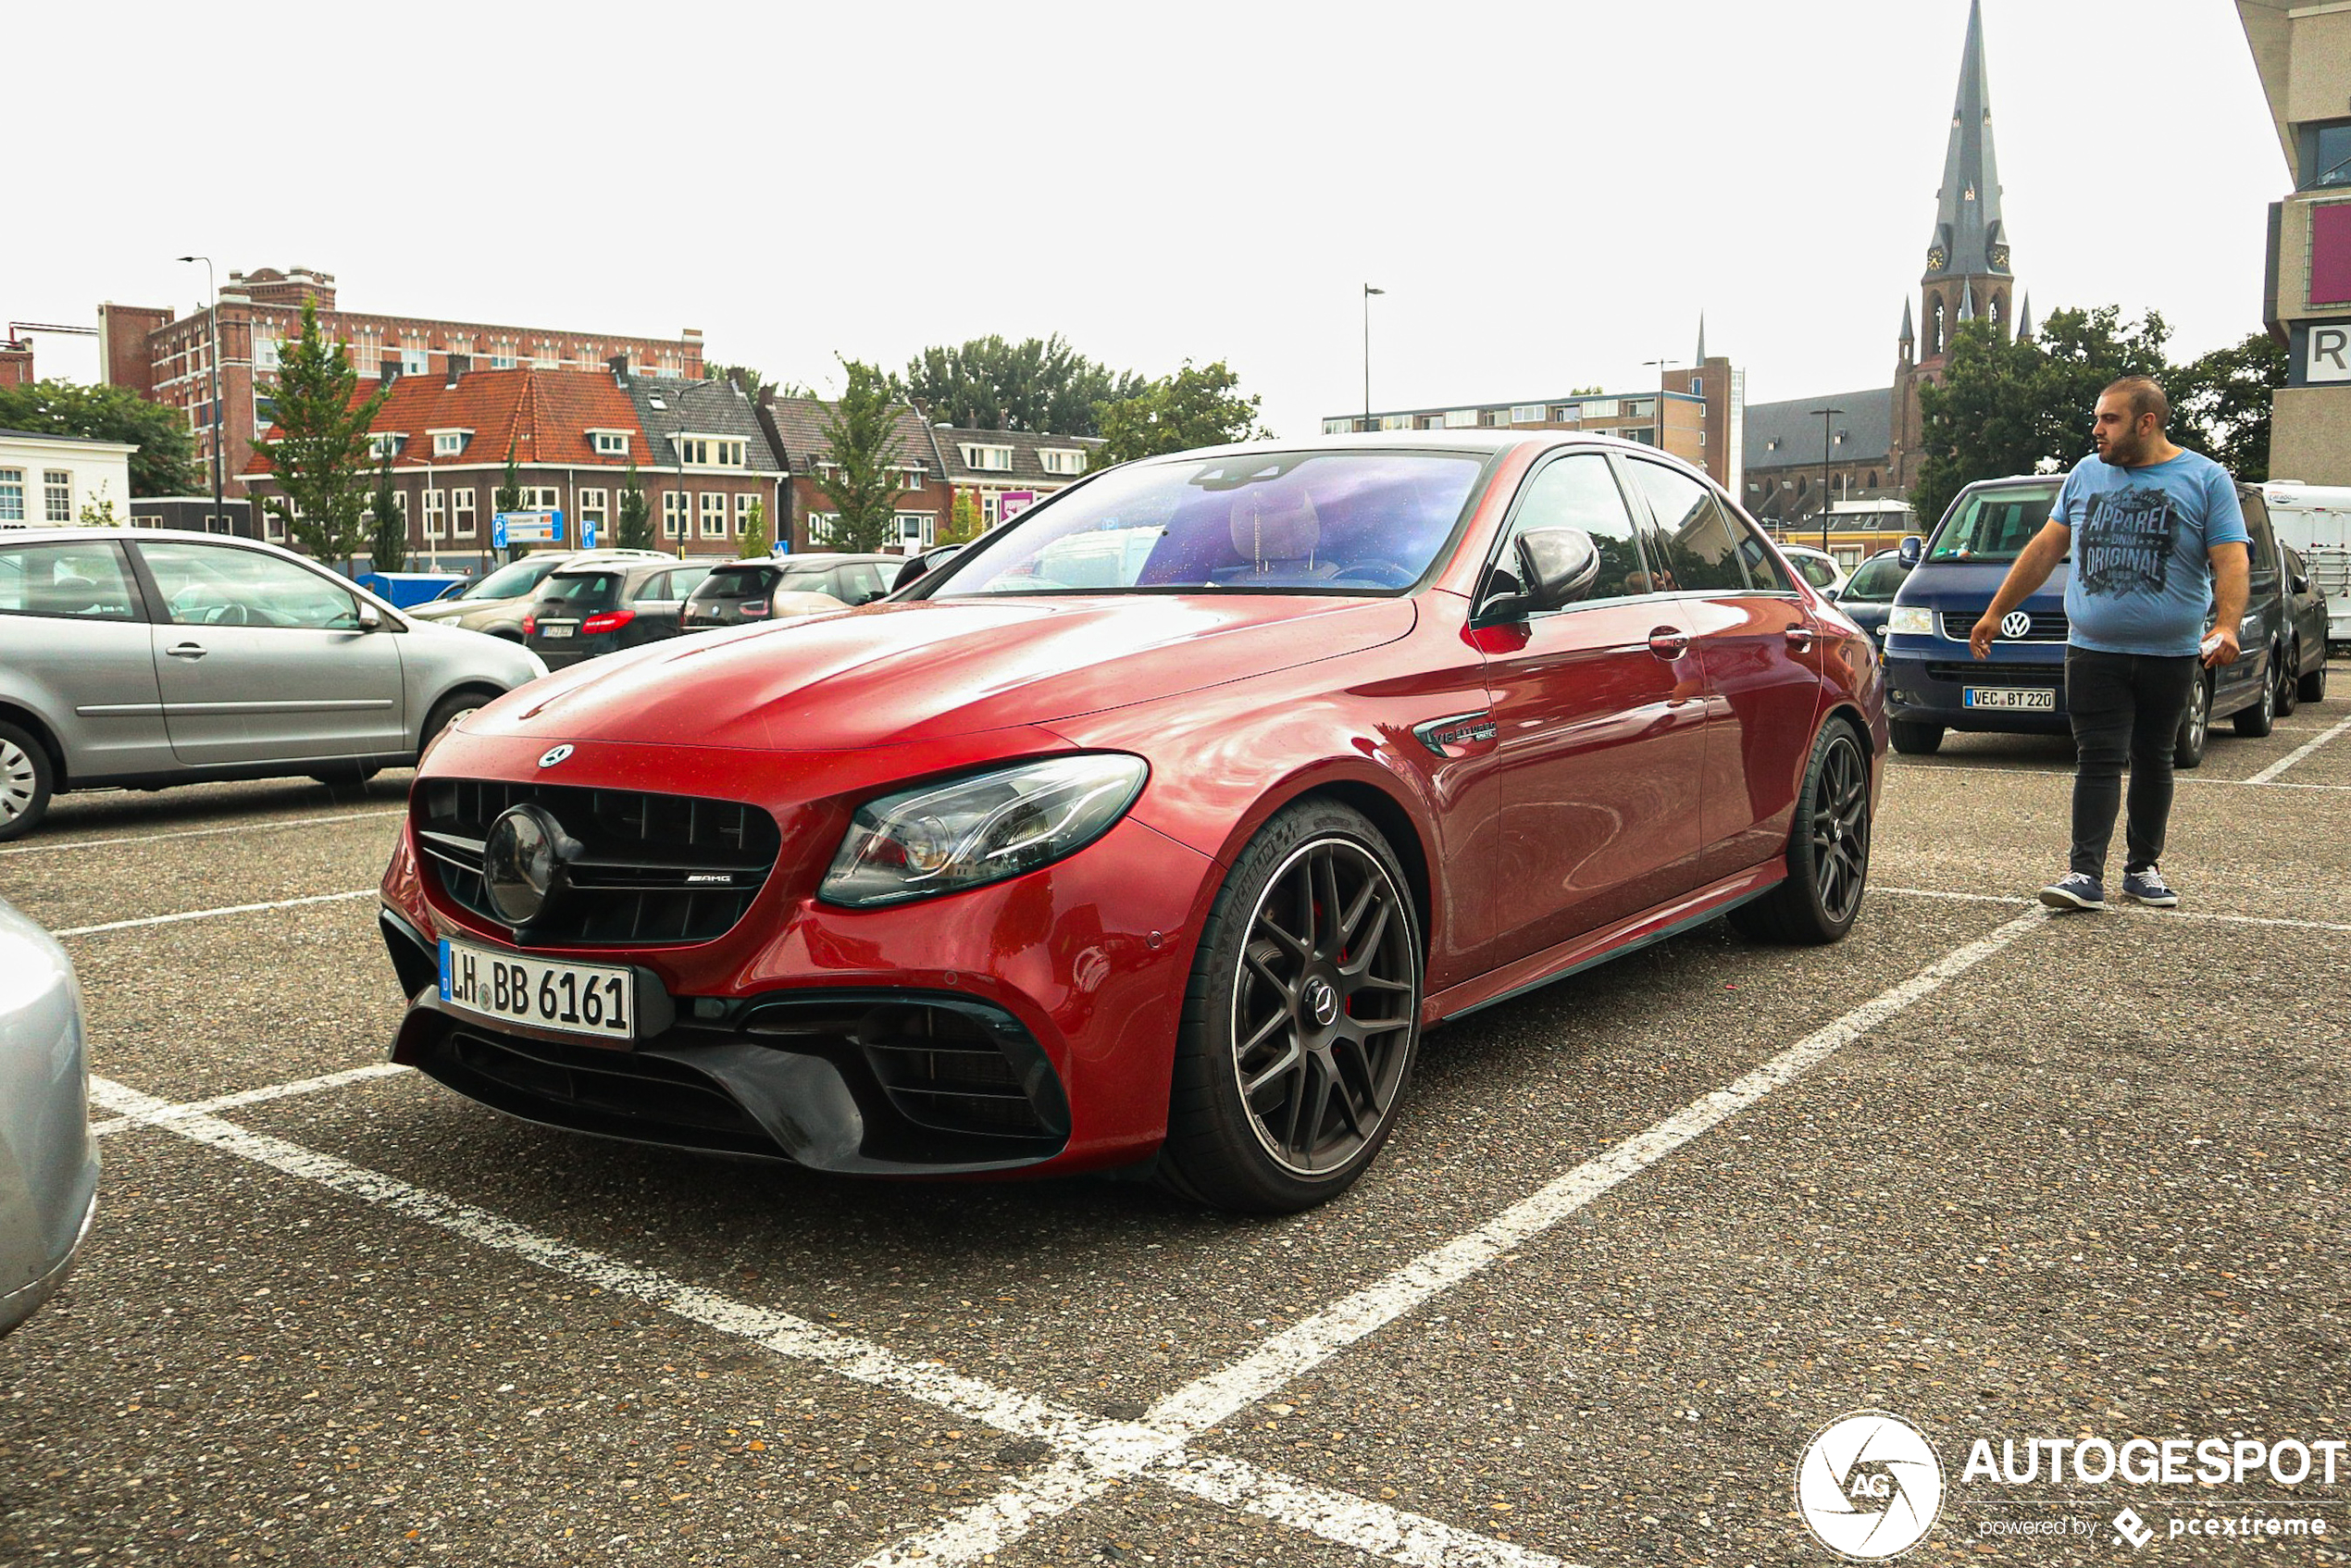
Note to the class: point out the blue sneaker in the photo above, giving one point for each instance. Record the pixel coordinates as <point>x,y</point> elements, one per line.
<point>2149,887</point>
<point>2075,890</point>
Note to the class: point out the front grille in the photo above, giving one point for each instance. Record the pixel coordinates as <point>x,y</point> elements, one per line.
<point>645,878</point>
<point>1998,673</point>
<point>2048,626</point>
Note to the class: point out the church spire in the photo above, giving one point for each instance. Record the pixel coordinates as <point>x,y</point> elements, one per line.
<point>1700,361</point>
<point>2024,316</point>
<point>1969,240</point>
<point>1908,337</point>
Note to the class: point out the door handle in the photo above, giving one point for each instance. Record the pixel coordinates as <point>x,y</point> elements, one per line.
<point>1799,639</point>
<point>185,651</point>
<point>1668,642</point>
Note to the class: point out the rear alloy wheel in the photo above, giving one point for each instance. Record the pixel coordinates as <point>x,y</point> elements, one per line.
<point>1828,850</point>
<point>2196,725</point>
<point>2312,688</point>
<point>25,782</point>
<point>1301,1020</point>
<point>2263,716</point>
<point>1914,739</point>
<point>2289,687</point>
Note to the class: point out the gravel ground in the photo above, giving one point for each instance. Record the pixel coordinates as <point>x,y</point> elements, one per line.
<point>2090,1186</point>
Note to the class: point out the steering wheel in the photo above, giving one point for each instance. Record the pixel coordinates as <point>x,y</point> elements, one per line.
<point>231,613</point>
<point>1374,574</point>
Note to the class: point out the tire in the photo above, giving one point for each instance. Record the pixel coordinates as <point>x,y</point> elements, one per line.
<point>2289,688</point>
<point>25,782</point>
<point>346,777</point>
<point>1828,850</point>
<point>2312,688</point>
<point>2261,718</point>
<point>446,712</point>
<point>1320,1012</point>
<point>2195,727</point>
<point>1915,739</point>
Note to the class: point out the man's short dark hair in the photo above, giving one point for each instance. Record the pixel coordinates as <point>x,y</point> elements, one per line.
<point>2144,396</point>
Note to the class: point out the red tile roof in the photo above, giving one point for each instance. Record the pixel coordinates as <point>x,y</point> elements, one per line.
<point>544,416</point>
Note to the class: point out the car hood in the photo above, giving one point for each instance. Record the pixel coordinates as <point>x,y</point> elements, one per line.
<point>450,609</point>
<point>890,674</point>
<point>1963,585</point>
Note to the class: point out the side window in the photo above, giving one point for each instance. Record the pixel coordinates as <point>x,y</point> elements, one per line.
<point>2265,544</point>
<point>653,589</point>
<point>861,582</point>
<point>1765,568</point>
<point>221,585</point>
<point>1576,491</point>
<point>1690,537</point>
<point>85,580</point>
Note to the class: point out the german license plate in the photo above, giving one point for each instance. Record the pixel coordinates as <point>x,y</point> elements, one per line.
<point>2043,701</point>
<point>596,999</point>
<point>554,631</point>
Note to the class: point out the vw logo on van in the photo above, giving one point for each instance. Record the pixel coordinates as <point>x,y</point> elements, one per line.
<point>2015,624</point>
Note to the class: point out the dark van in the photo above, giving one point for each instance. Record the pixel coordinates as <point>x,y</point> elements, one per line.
<point>1934,685</point>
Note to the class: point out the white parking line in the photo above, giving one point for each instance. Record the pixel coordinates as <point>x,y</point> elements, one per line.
<point>1422,1542</point>
<point>198,832</point>
<point>1191,1411</point>
<point>1910,765</point>
<point>2295,755</point>
<point>254,1097</point>
<point>2119,908</point>
<point>213,913</point>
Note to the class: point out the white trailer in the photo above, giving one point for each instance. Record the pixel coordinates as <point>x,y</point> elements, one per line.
<point>2316,521</point>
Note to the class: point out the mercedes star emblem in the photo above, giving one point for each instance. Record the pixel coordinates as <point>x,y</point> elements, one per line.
<point>555,754</point>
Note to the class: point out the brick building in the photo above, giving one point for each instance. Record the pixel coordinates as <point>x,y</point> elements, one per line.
<point>702,457</point>
<point>166,358</point>
<point>1008,471</point>
<point>796,425</point>
<point>16,362</point>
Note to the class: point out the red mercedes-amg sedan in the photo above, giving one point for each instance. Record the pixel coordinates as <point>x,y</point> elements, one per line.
<point>1151,832</point>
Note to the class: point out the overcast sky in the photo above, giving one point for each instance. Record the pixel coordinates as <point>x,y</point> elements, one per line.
<point>1549,194</point>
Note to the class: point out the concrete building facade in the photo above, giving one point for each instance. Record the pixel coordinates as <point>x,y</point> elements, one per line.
<point>2303,52</point>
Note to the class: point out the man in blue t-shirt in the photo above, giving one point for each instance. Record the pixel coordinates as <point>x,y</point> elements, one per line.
<point>2158,541</point>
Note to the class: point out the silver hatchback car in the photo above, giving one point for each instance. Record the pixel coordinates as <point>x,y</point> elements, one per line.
<point>146,657</point>
<point>48,1163</point>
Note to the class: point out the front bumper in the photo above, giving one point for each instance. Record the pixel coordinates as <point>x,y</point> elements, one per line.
<point>1927,678</point>
<point>1029,1024</point>
<point>20,1303</point>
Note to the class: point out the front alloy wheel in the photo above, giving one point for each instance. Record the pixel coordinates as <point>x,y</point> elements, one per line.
<point>24,782</point>
<point>1301,1021</point>
<point>2194,725</point>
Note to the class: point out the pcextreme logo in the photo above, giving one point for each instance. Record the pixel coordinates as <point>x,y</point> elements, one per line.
<point>1869,1486</point>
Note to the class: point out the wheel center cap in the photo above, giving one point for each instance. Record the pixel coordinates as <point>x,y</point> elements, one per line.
<point>1321,1001</point>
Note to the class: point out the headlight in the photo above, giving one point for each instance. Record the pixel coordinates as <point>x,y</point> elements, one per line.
<point>949,837</point>
<point>1913,619</point>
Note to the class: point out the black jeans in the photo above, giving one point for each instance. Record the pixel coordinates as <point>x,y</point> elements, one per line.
<point>2124,706</point>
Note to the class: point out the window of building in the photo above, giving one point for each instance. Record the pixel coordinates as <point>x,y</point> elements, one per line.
<point>710,452</point>
<point>1527,413</point>
<point>822,524</point>
<point>56,495</point>
<point>1396,421</point>
<point>991,458</point>
<point>540,498</point>
<point>916,530</point>
<point>713,514</point>
<point>449,443</point>
<point>611,443</point>
<point>673,513</point>
<point>593,504</point>
<point>1698,387</point>
<point>1460,419</point>
<point>436,513</point>
<point>502,362</point>
<point>910,478</point>
<point>461,512</point>
<point>273,524</point>
<point>415,362</point>
<point>385,443</point>
<point>266,352</point>
<point>264,414</point>
<point>1063,460</point>
<point>11,495</point>
<point>1338,427</point>
<point>2326,154</point>
<point>1599,408</point>
<point>743,504</point>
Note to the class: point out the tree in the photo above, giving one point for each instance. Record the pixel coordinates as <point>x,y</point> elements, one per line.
<point>166,461</point>
<point>2223,401</point>
<point>98,511</point>
<point>1038,385</point>
<point>1196,406</point>
<point>861,471</point>
<point>754,540</point>
<point>388,545</point>
<point>636,529</point>
<point>322,445</point>
<point>508,497</point>
<point>963,520</point>
<point>2013,407</point>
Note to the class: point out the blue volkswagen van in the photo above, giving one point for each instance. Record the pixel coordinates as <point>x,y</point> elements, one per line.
<point>1934,685</point>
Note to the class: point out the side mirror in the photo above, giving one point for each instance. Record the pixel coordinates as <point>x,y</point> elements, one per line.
<point>370,618</point>
<point>1831,594</point>
<point>1559,565</point>
<point>1912,548</point>
<point>2301,583</point>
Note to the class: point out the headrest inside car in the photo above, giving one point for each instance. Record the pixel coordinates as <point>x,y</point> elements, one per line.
<point>1272,524</point>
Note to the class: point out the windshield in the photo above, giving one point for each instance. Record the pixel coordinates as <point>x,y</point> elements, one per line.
<point>514,580</point>
<point>1993,525</point>
<point>1256,522</point>
<point>1874,582</point>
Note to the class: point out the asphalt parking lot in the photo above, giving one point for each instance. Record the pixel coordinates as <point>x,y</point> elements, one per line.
<point>1640,1235</point>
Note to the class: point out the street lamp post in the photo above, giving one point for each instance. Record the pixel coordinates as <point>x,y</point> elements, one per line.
<point>1826,415</point>
<point>211,314</point>
<point>1368,293</point>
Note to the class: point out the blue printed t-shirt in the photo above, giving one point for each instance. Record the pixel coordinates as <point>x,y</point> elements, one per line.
<point>2142,576</point>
